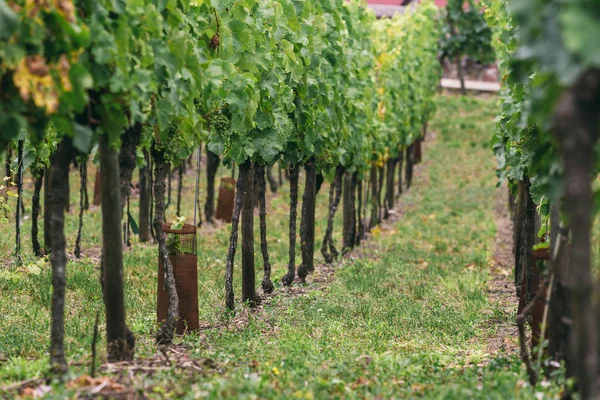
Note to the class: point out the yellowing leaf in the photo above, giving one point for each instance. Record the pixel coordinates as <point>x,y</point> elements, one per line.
<point>376,231</point>
<point>381,110</point>
<point>66,9</point>
<point>63,71</point>
<point>34,81</point>
<point>87,381</point>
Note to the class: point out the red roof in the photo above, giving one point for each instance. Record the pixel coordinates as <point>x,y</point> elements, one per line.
<point>439,3</point>
<point>387,8</point>
<point>390,2</point>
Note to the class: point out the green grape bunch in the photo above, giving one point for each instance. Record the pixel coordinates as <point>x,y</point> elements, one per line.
<point>220,124</point>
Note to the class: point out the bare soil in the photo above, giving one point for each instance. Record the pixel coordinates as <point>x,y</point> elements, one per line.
<point>501,288</point>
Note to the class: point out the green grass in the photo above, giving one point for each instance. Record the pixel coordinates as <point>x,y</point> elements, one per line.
<point>408,317</point>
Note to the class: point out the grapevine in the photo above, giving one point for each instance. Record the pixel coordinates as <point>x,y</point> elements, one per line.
<point>545,144</point>
<point>309,84</point>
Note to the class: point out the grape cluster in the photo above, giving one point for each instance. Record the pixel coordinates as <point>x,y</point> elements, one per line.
<point>219,123</point>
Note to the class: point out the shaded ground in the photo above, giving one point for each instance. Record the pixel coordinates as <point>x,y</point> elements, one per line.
<point>501,287</point>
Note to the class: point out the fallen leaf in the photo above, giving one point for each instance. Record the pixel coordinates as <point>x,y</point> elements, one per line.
<point>417,387</point>
<point>364,359</point>
<point>37,392</point>
<point>360,381</point>
<point>86,381</point>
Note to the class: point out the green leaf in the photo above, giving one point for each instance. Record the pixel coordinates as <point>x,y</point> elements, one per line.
<point>221,5</point>
<point>82,138</point>
<point>241,150</point>
<point>164,111</point>
<point>268,144</point>
<point>216,145</point>
<point>290,60</point>
<point>178,223</point>
<point>9,20</point>
<point>243,39</point>
<point>584,42</point>
<point>13,54</point>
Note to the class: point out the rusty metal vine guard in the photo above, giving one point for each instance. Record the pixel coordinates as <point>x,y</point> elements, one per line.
<point>182,254</point>
<point>226,199</point>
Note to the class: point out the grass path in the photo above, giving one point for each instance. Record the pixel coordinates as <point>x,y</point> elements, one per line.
<point>413,313</point>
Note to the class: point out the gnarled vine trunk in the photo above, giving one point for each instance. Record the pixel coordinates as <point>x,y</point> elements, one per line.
<point>293,174</point>
<point>380,181</point>
<point>212,164</point>
<point>169,178</point>
<point>374,206</point>
<point>307,221</point>
<point>575,123</point>
<point>47,200</point>
<point>389,187</point>
<point>324,246</point>
<point>7,174</point>
<point>86,200</point>
<point>119,340</point>
<point>461,75</point>
<point>68,202</point>
<point>280,173</point>
<point>319,182</point>
<point>97,197</point>
<point>83,183</point>
<point>365,207</point>
<point>161,170</point>
<point>151,193</point>
<point>35,212</point>
<point>19,182</point>
<point>271,179</point>
<point>248,273</point>
<point>525,234</point>
<point>144,208</point>
<point>335,194</point>
<point>55,208</point>
<point>259,182</point>
<point>197,206</point>
<point>360,231</point>
<point>418,151</point>
<point>127,161</point>
<point>410,154</point>
<point>233,238</point>
<point>559,308</point>
<point>400,162</point>
<point>180,170</point>
<point>349,208</point>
